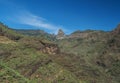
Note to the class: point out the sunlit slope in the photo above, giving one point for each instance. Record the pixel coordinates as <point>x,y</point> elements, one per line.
<point>6,40</point>
<point>22,60</point>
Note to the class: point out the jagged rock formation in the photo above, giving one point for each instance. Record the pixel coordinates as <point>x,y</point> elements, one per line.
<point>60,34</point>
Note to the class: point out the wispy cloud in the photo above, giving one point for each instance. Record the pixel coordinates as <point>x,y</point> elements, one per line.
<point>30,19</point>
<point>36,21</point>
<point>20,15</point>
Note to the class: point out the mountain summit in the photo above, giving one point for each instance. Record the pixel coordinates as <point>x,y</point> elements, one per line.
<point>60,34</point>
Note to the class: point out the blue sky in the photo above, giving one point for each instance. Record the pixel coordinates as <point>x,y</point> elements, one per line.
<point>69,15</point>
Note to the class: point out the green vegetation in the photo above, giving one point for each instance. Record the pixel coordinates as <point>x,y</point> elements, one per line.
<point>27,63</point>
<point>5,31</point>
<point>9,75</point>
<point>37,33</point>
<point>22,61</point>
<point>30,57</point>
<point>97,52</point>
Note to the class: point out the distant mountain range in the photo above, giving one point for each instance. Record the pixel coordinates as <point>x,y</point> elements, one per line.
<point>36,33</point>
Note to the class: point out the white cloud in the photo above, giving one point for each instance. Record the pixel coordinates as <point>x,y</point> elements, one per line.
<point>20,15</point>
<point>28,18</point>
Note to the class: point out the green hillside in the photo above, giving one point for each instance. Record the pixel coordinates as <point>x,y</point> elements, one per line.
<point>82,57</point>
<point>25,61</point>
<point>37,33</point>
<point>6,31</point>
<point>99,50</point>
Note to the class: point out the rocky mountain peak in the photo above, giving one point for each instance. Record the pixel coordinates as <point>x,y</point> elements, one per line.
<point>60,34</point>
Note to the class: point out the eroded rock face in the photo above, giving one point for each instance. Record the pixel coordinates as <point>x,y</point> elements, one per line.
<point>50,49</point>
<point>60,34</point>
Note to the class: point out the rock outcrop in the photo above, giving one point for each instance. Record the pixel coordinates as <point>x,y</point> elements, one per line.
<point>50,48</point>
<point>60,34</point>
